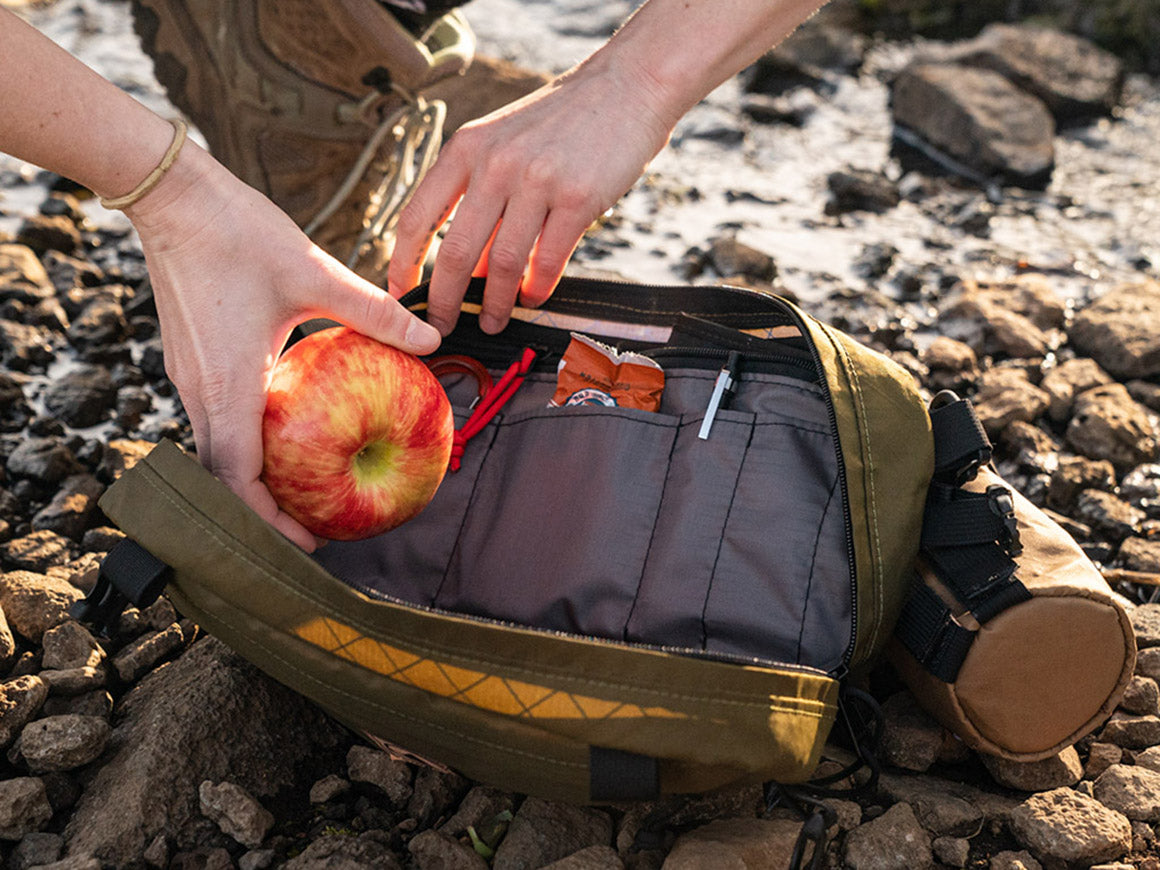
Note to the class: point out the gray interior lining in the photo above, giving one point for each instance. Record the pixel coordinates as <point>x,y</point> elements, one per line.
<point>623,524</point>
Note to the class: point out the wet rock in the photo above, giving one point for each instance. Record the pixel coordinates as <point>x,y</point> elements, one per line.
<point>1067,380</point>
<point>138,658</point>
<point>793,108</point>
<point>745,844</point>
<point>1018,318</point>
<point>1108,424</point>
<point>1073,475</point>
<point>46,460</point>
<point>860,190</point>
<point>1064,826</point>
<point>874,261</point>
<point>63,742</point>
<point>1121,330</point>
<point>1141,696</point>
<point>818,45</point>
<point>1131,732</point>
<point>24,807</point>
<point>1005,396</point>
<point>1140,554</point>
<point>979,118</point>
<point>893,841</point>
<point>180,727</point>
<point>14,410</point>
<point>20,700</point>
<point>1062,769</point>
<point>35,849</point>
<point>23,346</point>
<point>100,324</point>
<point>1131,790</point>
<point>22,276</point>
<point>730,257</point>
<point>912,740</point>
<point>236,812</point>
<point>33,602</point>
<point>71,645</point>
<point>44,233</point>
<point>67,272</point>
<point>82,397</point>
<point>432,850</point>
<point>120,455</point>
<point>378,768</point>
<point>1107,514</point>
<point>1074,78</point>
<point>1101,756</point>
<point>71,508</point>
<point>544,831</point>
<point>951,364</point>
<point>132,404</point>
<point>338,852</point>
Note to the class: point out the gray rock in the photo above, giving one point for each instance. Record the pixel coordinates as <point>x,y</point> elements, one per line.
<point>1061,769</point>
<point>378,768</point>
<point>952,851</point>
<point>433,850</point>
<point>328,788</point>
<point>1142,697</point>
<point>82,397</point>
<point>100,324</point>
<point>1146,625</point>
<point>70,645</point>
<point>1131,790</point>
<point>95,703</point>
<point>33,602</point>
<point>14,409</point>
<point>435,793</point>
<point>74,681</point>
<point>1141,554</point>
<point>545,831</point>
<point>63,742</point>
<point>946,807</point>
<point>911,740</point>
<point>1120,330</point>
<point>257,859</point>
<point>481,804</point>
<point>24,807</point>
<point>1101,756</point>
<point>80,862</point>
<point>1074,78</point>
<point>24,345</point>
<point>979,118</point>
<point>1147,658</point>
<point>236,812</point>
<point>1132,732</point>
<point>1146,393</point>
<point>1064,826</point>
<point>590,858</point>
<point>1108,514</point>
<point>46,460</point>
<point>737,844</point>
<point>138,658</point>
<point>44,233</point>
<point>1005,396</point>
<point>69,511</point>
<point>179,727</point>
<point>339,852</point>
<point>1107,423</point>
<point>1067,380</point>
<point>860,190</point>
<point>893,841</point>
<point>729,257</point>
<point>35,849</point>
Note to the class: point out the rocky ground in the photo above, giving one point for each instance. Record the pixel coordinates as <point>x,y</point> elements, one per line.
<point>1026,278</point>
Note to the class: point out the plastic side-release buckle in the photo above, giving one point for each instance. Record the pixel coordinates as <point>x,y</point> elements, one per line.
<point>1002,503</point>
<point>129,574</point>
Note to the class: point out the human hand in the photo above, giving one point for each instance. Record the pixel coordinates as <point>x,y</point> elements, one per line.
<point>525,183</point>
<point>232,276</point>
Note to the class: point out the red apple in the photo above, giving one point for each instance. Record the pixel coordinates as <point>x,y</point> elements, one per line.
<point>356,435</point>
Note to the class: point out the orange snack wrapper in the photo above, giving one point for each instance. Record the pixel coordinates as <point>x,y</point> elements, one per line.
<point>591,373</point>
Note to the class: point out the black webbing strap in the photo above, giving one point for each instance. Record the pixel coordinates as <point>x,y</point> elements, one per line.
<point>969,540</point>
<point>129,574</point>
<point>616,775</point>
<point>961,447</point>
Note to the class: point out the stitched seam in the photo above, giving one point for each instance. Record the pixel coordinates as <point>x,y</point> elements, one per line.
<point>431,650</point>
<point>463,522</point>
<point>721,544</point>
<point>813,566</point>
<point>653,533</point>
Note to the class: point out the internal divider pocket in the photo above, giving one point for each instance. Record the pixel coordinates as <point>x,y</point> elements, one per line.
<point>559,524</point>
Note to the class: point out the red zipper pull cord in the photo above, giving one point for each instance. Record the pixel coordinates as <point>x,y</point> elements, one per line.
<point>490,404</point>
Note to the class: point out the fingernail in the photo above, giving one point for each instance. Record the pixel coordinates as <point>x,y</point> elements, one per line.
<point>422,336</point>
<point>489,323</point>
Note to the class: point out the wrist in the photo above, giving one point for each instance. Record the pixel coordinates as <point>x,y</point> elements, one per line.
<point>195,178</point>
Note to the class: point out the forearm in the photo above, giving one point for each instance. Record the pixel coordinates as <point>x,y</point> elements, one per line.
<point>57,113</point>
<point>680,50</point>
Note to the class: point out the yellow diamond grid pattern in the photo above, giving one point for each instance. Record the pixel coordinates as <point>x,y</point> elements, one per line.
<point>476,688</point>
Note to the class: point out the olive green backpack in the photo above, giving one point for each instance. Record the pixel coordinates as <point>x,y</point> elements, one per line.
<point>600,603</point>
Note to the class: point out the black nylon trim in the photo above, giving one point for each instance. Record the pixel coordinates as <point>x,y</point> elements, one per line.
<point>616,775</point>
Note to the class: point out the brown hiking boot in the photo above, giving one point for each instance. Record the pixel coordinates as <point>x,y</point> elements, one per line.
<point>322,106</point>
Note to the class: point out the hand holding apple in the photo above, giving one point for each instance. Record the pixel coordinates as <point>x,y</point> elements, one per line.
<point>356,434</point>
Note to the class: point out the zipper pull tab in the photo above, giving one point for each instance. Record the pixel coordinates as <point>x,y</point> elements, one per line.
<point>723,391</point>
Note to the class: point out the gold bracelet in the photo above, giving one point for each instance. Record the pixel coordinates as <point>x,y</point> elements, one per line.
<point>119,202</point>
